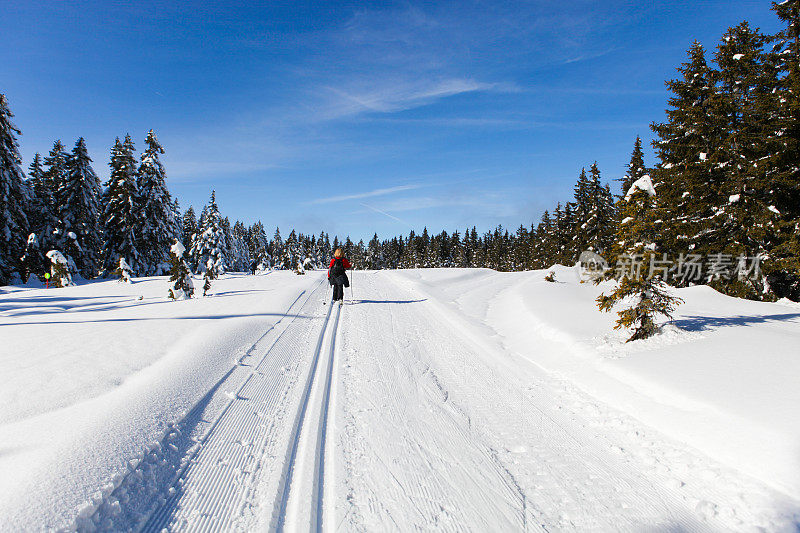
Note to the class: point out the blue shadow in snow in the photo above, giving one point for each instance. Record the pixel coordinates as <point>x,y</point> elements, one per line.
<point>701,323</point>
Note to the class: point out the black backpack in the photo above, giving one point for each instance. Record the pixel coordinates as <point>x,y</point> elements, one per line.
<point>338,267</point>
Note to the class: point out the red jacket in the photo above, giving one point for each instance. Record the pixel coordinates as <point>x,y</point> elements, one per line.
<point>345,263</point>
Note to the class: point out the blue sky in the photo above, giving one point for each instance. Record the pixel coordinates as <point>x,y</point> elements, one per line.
<point>356,117</point>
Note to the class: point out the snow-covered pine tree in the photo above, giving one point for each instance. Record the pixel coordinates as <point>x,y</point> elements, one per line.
<point>689,184</point>
<point>124,272</point>
<point>42,218</point>
<point>119,218</point>
<point>358,255</point>
<point>181,286</point>
<point>544,249</point>
<point>239,249</point>
<point>638,283</point>
<point>373,259</point>
<point>209,243</point>
<point>745,213</point>
<point>259,246</point>
<point>564,233</point>
<point>189,226</point>
<point>636,168</point>
<point>59,269</point>
<point>783,271</point>
<point>55,175</point>
<point>30,261</point>
<point>277,251</point>
<point>290,252</point>
<point>159,220</point>
<point>209,273</point>
<point>51,232</point>
<point>600,224</point>
<point>582,210</point>
<point>14,198</point>
<point>459,250</point>
<point>79,211</point>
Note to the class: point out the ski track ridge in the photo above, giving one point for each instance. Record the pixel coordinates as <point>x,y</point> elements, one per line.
<point>297,489</point>
<point>192,477</point>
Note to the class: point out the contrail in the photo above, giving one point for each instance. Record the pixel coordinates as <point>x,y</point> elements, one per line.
<point>387,214</point>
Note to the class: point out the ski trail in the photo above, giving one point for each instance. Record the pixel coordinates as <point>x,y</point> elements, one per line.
<point>204,473</point>
<point>439,436</point>
<point>301,498</point>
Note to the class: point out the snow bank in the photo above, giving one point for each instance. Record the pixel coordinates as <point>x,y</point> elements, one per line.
<point>723,379</point>
<point>93,375</point>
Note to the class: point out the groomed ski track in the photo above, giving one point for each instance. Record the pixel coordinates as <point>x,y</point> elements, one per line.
<point>268,438</point>
<point>390,414</point>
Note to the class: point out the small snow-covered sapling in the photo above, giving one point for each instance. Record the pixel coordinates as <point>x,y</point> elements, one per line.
<point>181,286</point>
<point>124,271</point>
<point>59,269</point>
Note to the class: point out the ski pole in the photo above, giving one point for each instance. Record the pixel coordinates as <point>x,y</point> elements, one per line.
<point>352,275</point>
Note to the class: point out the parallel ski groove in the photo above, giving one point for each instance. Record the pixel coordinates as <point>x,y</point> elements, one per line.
<point>323,426</point>
<point>285,490</point>
<point>224,468</point>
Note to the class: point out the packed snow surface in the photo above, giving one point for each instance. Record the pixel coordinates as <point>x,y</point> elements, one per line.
<point>433,399</point>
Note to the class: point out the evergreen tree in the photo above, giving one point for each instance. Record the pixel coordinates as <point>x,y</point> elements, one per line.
<point>79,210</point>
<point>124,271</point>
<point>744,213</point>
<point>13,197</point>
<point>181,286</point>
<point>55,176</point>
<point>159,224</point>
<point>59,269</point>
<point>209,242</point>
<point>277,251</point>
<point>636,168</point>
<point>599,227</point>
<point>189,226</point>
<point>689,184</point>
<point>120,216</point>
<point>643,287</point>
<point>45,207</point>
<point>41,219</point>
<point>784,165</point>
<point>239,247</point>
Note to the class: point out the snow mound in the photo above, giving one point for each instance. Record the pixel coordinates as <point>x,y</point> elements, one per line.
<point>642,184</point>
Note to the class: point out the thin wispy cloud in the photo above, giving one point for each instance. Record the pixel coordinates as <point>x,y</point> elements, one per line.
<point>384,213</point>
<point>366,95</point>
<point>367,194</point>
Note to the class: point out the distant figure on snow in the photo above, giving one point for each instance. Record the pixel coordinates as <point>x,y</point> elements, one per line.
<point>337,275</point>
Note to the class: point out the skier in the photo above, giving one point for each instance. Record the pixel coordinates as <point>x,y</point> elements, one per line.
<point>337,275</point>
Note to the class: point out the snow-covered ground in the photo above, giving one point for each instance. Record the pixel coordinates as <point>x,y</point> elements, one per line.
<point>435,399</point>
